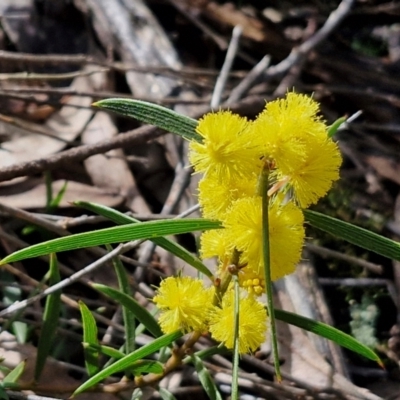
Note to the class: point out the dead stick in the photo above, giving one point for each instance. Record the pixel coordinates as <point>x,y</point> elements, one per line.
<point>137,136</point>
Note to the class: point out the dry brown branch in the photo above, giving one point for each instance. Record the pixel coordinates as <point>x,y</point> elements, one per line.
<point>262,69</point>
<point>137,136</point>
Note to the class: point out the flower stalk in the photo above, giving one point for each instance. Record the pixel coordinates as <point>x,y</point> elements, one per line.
<point>264,186</point>
<point>235,369</point>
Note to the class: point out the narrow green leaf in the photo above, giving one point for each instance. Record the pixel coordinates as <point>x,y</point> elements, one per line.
<point>129,359</point>
<point>127,301</point>
<point>15,374</point>
<point>153,114</point>
<point>54,203</point>
<point>205,379</point>
<point>354,234</point>
<point>10,385</point>
<point>50,319</point>
<point>4,395</point>
<point>332,129</point>
<point>48,180</point>
<point>169,245</point>
<point>106,350</point>
<point>20,330</point>
<point>89,336</point>
<point>3,369</point>
<point>116,234</point>
<point>137,368</point>
<point>165,394</point>
<point>328,332</point>
<point>146,367</point>
<point>209,352</point>
<point>127,315</point>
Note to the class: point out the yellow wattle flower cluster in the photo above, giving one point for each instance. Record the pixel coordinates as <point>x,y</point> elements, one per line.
<point>291,140</point>
<point>187,305</point>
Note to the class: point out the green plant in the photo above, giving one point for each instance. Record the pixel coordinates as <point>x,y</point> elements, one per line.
<point>259,179</point>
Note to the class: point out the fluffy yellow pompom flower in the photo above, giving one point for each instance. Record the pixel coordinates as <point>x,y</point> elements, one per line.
<point>216,243</point>
<point>283,129</point>
<point>291,134</point>
<point>252,323</point>
<point>216,197</point>
<point>312,179</point>
<point>185,304</point>
<point>225,151</point>
<point>243,224</point>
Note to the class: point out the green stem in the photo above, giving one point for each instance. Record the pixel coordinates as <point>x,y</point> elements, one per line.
<point>235,372</point>
<point>267,268</point>
<point>226,278</point>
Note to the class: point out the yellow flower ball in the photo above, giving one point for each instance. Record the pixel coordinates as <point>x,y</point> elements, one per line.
<point>243,224</point>
<point>185,304</point>
<point>216,197</point>
<point>312,179</point>
<point>252,323</point>
<point>216,243</point>
<point>225,152</point>
<point>290,133</point>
